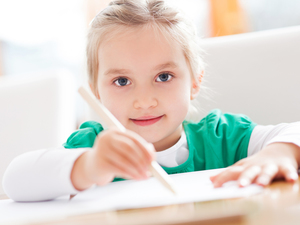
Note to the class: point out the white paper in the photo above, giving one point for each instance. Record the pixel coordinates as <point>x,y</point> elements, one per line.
<point>191,187</point>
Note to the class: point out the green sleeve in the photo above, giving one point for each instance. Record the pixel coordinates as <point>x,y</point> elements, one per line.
<point>85,136</point>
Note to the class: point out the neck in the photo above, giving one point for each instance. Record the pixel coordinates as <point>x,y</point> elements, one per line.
<point>168,141</point>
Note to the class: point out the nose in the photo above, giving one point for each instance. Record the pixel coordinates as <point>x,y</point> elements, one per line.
<point>145,99</point>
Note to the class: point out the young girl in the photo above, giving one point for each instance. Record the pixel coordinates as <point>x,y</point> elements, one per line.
<point>144,66</point>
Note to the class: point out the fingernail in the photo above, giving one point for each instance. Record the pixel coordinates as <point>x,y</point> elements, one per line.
<point>143,174</point>
<point>263,181</point>
<point>293,176</point>
<point>148,173</point>
<point>244,182</point>
<point>216,184</point>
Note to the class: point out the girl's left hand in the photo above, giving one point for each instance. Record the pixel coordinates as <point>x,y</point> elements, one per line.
<point>277,160</point>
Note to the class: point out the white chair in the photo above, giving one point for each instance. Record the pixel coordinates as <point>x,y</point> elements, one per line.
<point>36,111</point>
<point>256,74</point>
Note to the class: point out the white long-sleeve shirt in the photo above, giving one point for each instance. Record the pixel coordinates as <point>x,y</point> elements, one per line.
<point>46,174</point>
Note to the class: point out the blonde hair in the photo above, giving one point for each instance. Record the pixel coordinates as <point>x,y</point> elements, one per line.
<point>139,13</point>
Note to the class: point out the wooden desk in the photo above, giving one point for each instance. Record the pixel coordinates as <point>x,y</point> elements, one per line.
<point>274,206</point>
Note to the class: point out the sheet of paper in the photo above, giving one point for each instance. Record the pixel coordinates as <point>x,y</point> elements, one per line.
<point>191,187</point>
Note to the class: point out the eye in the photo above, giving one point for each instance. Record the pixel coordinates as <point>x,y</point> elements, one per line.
<point>164,77</point>
<point>122,81</point>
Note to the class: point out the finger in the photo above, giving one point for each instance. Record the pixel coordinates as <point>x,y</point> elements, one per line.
<point>288,172</point>
<point>129,147</point>
<point>249,175</point>
<point>104,180</point>
<point>147,149</point>
<point>242,162</point>
<point>212,178</point>
<point>231,173</point>
<point>267,174</point>
<point>123,166</point>
<point>131,151</point>
<point>239,163</point>
<point>118,172</point>
<point>122,170</point>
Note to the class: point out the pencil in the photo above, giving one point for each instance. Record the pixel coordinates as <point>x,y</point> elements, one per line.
<point>110,121</point>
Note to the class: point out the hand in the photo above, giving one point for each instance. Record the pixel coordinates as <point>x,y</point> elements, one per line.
<point>277,160</point>
<point>115,153</point>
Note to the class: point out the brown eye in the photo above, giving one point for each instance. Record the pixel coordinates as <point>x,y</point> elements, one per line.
<point>164,77</point>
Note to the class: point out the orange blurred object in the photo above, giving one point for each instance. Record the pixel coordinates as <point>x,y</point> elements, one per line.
<point>227,17</point>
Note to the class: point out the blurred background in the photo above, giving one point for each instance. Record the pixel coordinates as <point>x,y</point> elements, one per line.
<point>43,35</point>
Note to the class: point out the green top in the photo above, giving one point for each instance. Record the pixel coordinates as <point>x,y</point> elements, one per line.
<point>217,141</point>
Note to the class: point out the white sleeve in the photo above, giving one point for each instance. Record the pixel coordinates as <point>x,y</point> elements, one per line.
<point>264,135</point>
<point>41,175</point>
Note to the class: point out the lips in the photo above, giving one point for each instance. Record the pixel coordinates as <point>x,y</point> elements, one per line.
<point>146,120</point>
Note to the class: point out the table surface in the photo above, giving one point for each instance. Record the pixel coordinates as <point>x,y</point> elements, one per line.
<point>278,204</point>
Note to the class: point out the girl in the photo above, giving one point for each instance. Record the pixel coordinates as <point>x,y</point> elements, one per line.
<point>144,66</point>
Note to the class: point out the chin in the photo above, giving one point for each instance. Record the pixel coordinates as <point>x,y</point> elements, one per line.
<point>151,138</point>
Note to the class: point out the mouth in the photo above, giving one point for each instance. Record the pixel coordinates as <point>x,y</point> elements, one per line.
<point>146,120</point>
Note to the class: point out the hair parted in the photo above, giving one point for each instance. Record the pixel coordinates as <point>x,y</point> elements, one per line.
<point>140,13</point>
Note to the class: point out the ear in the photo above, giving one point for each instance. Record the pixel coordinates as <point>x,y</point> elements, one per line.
<point>96,93</point>
<point>196,86</point>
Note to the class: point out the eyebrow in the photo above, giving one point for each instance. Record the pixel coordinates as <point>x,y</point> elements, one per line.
<point>116,71</point>
<point>125,71</point>
<point>166,65</point>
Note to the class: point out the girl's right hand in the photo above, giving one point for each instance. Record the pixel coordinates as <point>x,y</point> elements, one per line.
<point>115,153</point>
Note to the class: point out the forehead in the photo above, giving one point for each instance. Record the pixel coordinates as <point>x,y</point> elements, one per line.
<point>137,48</point>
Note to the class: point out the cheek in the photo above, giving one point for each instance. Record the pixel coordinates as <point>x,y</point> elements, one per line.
<point>114,102</point>
<point>182,105</point>
<point>179,101</point>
